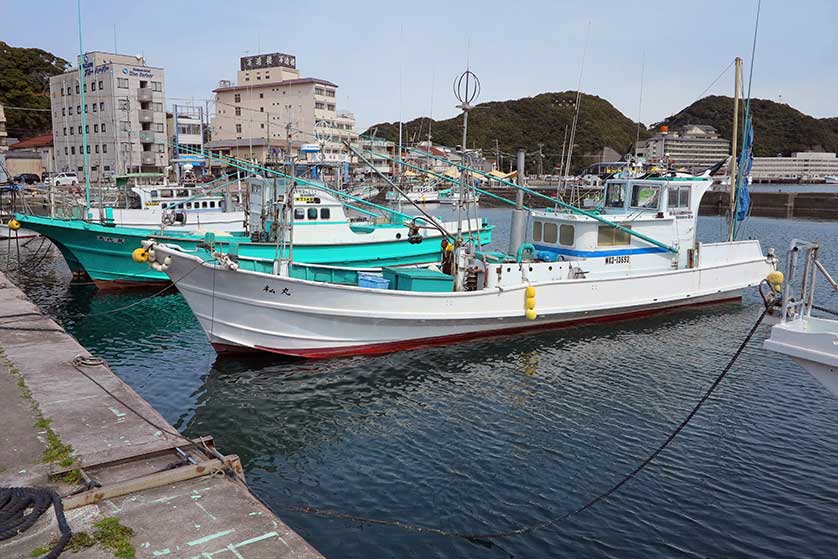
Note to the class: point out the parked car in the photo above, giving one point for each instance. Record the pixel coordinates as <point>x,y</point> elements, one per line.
<point>28,178</point>
<point>64,179</point>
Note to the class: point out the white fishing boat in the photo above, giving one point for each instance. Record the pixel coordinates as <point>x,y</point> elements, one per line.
<point>639,256</point>
<point>810,341</point>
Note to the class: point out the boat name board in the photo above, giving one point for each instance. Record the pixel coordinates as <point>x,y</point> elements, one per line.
<point>114,240</point>
<point>617,259</point>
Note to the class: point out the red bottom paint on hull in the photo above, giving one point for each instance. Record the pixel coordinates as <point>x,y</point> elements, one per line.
<point>390,347</point>
<point>111,285</point>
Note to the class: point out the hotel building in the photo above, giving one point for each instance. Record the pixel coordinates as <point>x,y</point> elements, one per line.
<point>254,116</point>
<point>693,148</point>
<point>126,117</point>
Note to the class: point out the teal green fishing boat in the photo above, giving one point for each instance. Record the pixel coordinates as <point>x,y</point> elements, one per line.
<point>323,234</point>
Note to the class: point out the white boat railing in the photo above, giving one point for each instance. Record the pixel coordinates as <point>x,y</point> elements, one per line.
<point>799,300</point>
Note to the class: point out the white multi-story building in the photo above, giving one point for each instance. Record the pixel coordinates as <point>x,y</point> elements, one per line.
<point>253,118</point>
<point>692,147</point>
<point>803,166</point>
<point>126,117</point>
<point>3,133</point>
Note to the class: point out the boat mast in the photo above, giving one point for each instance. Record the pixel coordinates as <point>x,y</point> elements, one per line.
<point>732,181</point>
<point>85,146</point>
<point>466,90</point>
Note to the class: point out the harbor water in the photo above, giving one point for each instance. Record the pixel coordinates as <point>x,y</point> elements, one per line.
<point>496,434</point>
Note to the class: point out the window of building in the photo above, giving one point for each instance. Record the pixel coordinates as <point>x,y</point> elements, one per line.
<point>567,235</point>
<point>157,86</point>
<point>615,195</point>
<point>70,110</point>
<point>101,84</point>
<point>261,109</point>
<point>325,213</point>
<point>72,131</point>
<point>105,150</point>
<point>158,126</point>
<point>97,148</point>
<point>645,196</point>
<point>63,112</point>
<point>88,148</point>
<point>261,96</point>
<point>103,127</point>
<point>95,128</point>
<point>551,232</point>
<point>72,150</point>
<point>122,83</point>
<point>85,109</point>
<point>319,91</point>
<point>77,88</point>
<point>259,78</point>
<point>299,214</point>
<point>319,105</point>
<point>537,227</point>
<point>238,128</point>
<point>124,125</point>
<point>106,167</point>
<point>237,98</point>
<point>330,93</point>
<point>157,107</point>
<point>608,236</point>
<point>95,107</point>
<point>238,111</point>
<point>78,109</point>
<point>62,92</point>
<point>66,151</point>
<point>102,106</point>
<point>123,104</point>
<point>330,107</point>
<point>65,130</point>
<point>87,129</point>
<point>92,86</point>
<point>261,125</point>
<point>79,129</point>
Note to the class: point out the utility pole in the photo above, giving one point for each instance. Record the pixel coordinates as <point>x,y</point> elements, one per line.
<point>497,155</point>
<point>540,161</point>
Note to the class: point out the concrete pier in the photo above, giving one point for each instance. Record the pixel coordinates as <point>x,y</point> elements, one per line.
<point>59,425</point>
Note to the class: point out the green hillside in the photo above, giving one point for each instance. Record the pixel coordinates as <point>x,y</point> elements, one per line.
<point>24,82</point>
<point>778,128</point>
<point>524,123</point>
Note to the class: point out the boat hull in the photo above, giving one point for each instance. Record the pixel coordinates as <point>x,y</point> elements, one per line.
<point>812,343</point>
<point>104,253</point>
<point>251,311</point>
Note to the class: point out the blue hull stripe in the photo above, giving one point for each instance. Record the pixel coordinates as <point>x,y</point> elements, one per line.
<point>598,253</point>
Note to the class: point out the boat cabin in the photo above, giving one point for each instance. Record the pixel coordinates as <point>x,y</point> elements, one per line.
<point>661,209</point>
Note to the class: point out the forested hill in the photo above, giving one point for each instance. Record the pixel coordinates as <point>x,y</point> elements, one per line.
<point>24,82</point>
<point>524,123</point>
<point>778,128</point>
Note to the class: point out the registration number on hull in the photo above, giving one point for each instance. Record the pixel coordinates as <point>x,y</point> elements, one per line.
<point>617,259</point>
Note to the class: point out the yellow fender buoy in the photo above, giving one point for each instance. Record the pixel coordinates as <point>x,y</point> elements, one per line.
<point>776,279</point>
<point>13,224</point>
<point>529,303</point>
<point>139,255</point>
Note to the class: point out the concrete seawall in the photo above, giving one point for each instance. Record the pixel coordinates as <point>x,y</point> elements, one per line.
<point>68,420</point>
<point>810,205</point>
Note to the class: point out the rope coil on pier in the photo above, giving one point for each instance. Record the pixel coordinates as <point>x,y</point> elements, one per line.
<point>14,520</point>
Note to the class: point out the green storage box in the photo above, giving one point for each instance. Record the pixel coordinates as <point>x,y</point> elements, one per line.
<point>418,279</point>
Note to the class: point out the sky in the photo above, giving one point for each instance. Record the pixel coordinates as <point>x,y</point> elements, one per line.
<point>398,59</point>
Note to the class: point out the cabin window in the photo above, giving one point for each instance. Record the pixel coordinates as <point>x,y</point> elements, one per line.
<point>679,197</point>
<point>645,196</point>
<point>536,231</point>
<point>325,213</point>
<point>299,213</point>
<point>312,213</point>
<point>608,236</point>
<point>615,196</point>
<point>212,203</point>
<point>165,193</point>
<point>153,194</point>
<point>180,206</point>
<point>189,205</point>
<point>182,193</point>
<point>567,234</point>
<point>551,233</point>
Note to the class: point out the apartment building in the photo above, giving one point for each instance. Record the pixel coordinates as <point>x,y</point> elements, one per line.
<point>185,128</point>
<point>126,119</point>
<point>269,101</point>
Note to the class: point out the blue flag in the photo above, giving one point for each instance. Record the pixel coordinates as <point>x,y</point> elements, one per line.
<point>746,159</point>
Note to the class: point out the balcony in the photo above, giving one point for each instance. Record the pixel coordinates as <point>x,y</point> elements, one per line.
<point>149,158</point>
<point>146,115</point>
<point>144,94</point>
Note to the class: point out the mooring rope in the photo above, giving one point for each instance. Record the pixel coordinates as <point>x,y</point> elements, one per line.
<point>14,519</point>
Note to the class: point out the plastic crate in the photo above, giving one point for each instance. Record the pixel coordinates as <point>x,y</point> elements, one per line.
<point>374,281</point>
